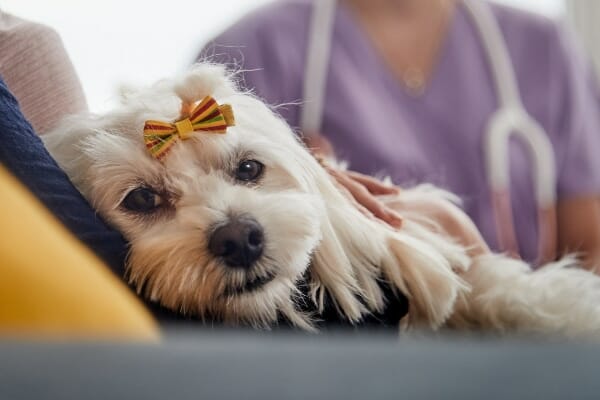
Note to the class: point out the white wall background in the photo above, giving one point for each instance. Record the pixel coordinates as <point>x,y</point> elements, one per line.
<point>112,42</point>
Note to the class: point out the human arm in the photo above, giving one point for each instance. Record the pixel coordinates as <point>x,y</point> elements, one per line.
<point>579,229</point>
<point>578,123</point>
<point>272,66</point>
<point>448,218</point>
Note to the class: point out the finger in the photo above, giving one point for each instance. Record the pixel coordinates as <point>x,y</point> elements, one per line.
<point>393,218</point>
<point>370,202</point>
<point>318,144</point>
<point>345,185</point>
<point>373,185</point>
<point>379,210</point>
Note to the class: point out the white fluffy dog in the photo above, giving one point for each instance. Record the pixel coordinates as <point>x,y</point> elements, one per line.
<point>229,226</point>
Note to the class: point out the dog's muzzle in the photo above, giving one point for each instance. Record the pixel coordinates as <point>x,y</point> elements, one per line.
<point>239,242</point>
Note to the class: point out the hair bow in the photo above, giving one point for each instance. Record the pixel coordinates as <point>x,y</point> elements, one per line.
<point>207,116</point>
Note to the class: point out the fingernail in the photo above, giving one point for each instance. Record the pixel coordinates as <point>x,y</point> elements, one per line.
<point>395,219</point>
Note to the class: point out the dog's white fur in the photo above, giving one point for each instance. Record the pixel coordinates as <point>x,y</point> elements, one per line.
<point>309,226</point>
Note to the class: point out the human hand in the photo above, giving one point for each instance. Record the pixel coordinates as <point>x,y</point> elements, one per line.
<point>363,189</point>
<point>318,145</point>
<point>450,219</point>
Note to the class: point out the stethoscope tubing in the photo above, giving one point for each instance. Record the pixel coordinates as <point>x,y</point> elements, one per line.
<point>511,119</point>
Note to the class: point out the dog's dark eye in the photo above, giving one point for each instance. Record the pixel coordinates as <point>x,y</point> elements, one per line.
<point>249,170</point>
<point>142,200</point>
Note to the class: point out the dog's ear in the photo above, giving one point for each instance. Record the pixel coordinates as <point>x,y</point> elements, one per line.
<point>356,252</point>
<point>345,264</point>
<point>424,268</point>
<point>64,143</point>
<point>203,80</point>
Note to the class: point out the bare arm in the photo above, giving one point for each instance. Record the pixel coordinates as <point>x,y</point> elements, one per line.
<point>579,229</point>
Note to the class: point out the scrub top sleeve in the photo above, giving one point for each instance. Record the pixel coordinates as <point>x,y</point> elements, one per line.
<point>577,116</point>
<point>267,61</point>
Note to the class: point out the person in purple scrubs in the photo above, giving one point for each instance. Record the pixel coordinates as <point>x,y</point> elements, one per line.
<point>409,92</point>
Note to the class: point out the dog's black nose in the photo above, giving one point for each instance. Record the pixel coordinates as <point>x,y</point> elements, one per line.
<point>239,242</point>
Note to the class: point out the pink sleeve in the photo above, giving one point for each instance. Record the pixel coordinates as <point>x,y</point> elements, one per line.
<point>37,69</point>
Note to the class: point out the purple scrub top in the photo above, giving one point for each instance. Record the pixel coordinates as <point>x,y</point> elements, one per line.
<point>437,137</point>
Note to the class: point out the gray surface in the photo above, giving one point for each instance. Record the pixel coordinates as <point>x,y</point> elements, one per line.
<point>225,365</point>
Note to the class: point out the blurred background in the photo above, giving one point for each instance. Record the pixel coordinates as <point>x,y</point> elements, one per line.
<point>115,42</point>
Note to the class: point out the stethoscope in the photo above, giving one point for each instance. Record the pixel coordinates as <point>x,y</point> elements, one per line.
<point>510,119</point>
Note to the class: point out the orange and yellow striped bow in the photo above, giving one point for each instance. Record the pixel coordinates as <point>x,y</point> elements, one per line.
<point>208,116</point>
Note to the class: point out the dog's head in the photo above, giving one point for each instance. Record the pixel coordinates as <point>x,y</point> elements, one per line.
<point>225,225</point>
